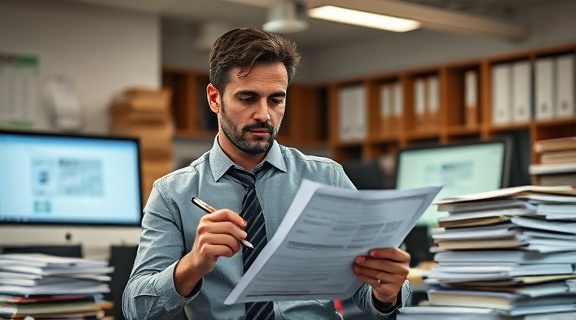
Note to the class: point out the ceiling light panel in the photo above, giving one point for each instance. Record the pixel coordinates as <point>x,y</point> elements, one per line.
<point>362,18</point>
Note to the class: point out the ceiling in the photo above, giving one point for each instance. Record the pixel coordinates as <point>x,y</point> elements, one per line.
<point>254,13</point>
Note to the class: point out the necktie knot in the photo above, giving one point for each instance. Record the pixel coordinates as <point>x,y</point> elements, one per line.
<point>247,179</point>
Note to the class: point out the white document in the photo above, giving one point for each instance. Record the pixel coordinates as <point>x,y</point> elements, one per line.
<point>510,193</point>
<point>503,256</point>
<point>19,94</point>
<point>325,228</point>
<point>553,226</point>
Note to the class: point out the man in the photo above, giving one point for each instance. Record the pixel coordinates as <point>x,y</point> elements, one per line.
<point>191,259</point>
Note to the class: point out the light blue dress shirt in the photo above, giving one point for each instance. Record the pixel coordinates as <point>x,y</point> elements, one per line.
<point>169,227</point>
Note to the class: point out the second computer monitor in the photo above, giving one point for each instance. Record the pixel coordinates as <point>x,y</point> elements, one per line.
<point>459,168</point>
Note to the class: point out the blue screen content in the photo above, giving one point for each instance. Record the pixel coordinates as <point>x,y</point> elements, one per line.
<point>65,179</point>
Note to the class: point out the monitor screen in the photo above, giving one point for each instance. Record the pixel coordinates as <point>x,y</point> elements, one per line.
<point>63,179</point>
<point>459,168</point>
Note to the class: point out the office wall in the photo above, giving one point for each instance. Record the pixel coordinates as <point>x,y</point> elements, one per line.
<point>103,50</point>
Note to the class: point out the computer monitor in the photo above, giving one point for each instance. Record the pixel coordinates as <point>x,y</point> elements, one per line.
<point>67,180</point>
<point>460,168</point>
<point>365,175</point>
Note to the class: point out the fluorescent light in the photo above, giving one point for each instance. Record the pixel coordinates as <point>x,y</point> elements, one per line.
<point>430,17</point>
<point>362,18</point>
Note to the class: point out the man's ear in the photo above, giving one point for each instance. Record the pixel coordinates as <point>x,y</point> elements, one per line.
<point>213,97</point>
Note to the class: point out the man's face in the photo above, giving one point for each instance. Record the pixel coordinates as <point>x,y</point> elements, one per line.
<point>252,107</point>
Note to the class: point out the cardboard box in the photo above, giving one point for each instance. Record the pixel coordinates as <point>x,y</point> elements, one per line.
<point>147,100</point>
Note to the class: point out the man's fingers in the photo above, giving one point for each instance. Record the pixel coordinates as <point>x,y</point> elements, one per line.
<point>222,227</point>
<point>214,245</point>
<point>385,271</point>
<point>393,254</point>
<point>225,215</point>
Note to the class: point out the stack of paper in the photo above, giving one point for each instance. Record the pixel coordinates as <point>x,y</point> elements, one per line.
<point>51,287</point>
<point>557,162</point>
<point>510,251</point>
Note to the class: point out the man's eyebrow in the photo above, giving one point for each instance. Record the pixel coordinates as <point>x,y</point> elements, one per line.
<point>246,93</point>
<point>254,93</point>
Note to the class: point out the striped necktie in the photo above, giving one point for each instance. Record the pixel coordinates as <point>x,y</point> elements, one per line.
<point>256,229</point>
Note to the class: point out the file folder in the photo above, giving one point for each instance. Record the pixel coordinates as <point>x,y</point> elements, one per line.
<point>564,106</point>
<point>433,103</point>
<point>471,98</point>
<point>522,84</point>
<point>501,97</point>
<point>544,88</point>
<point>419,103</point>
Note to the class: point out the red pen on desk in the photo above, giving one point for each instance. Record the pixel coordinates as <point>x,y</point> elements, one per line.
<point>209,209</point>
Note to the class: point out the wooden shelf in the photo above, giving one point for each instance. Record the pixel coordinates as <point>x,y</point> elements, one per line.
<point>191,113</point>
<point>462,130</point>
<point>455,121</point>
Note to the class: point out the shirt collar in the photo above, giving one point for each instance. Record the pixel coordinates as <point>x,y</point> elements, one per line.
<point>220,163</point>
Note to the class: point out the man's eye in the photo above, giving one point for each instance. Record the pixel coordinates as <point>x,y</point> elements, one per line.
<point>247,99</point>
<point>278,101</point>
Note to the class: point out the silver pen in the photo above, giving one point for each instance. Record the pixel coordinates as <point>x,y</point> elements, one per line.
<point>209,209</point>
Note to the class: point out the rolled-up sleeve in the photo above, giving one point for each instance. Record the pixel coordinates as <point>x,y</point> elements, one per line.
<point>363,299</point>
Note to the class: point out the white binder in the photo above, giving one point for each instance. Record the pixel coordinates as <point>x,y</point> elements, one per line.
<point>564,106</point>
<point>501,94</point>
<point>386,105</point>
<point>471,98</point>
<point>544,88</point>
<point>352,112</point>
<point>433,105</point>
<point>419,103</point>
<point>398,105</point>
<point>521,91</point>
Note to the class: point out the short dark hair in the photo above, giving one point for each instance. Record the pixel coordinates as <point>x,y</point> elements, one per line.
<point>244,47</point>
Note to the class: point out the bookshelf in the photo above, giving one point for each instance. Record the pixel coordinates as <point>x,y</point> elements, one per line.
<point>456,120</point>
<point>189,105</point>
<point>390,111</point>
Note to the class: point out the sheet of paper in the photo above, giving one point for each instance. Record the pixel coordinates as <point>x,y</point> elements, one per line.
<point>509,193</point>
<point>325,228</point>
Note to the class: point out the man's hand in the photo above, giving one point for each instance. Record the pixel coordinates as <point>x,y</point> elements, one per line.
<point>385,269</point>
<point>217,235</point>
